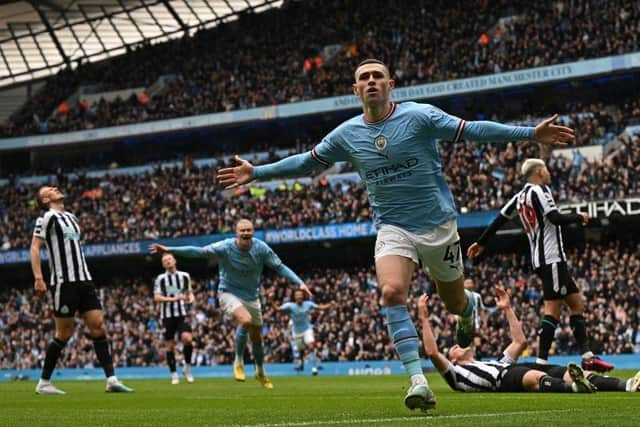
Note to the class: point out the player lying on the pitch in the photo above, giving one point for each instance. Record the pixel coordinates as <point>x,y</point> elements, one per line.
<point>463,373</point>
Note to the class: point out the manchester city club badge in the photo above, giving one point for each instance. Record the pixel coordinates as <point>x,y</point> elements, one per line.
<point>380,142</point>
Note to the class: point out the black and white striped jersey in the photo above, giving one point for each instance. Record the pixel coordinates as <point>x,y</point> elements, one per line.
<point>476,376</point>
<point>61,232</point>
<point>171,285</point>
<point>532,204</point>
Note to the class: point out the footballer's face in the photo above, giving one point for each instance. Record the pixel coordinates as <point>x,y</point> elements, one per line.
<point>244,233</point>
<point>545,175</point>
<point>168,262</point>
<point>298,297</point>
<point>373,84</point>
<point>459,354</point>
<point>51,195</point>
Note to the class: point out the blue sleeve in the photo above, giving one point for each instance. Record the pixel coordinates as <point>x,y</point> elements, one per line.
<point>288,274</point>
<point>311,305</point>
<point>438,124</point>
<point>324,154</point>
<point>484,131</point>
<point>330,149</point>
<point>300,164</point>
<point>285,307</point>
<point>215,250</point>
<point>441,125</point>
<point>189,251</point>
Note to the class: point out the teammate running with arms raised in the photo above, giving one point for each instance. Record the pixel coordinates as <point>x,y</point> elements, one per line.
<point>241,261</point>
<point>301,328</point>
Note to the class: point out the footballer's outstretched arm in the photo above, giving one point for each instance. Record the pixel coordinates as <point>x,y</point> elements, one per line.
<point>518,339</point>
<point>326,306</point>
<point>327,152</point>
<point>507,212</point>
<point>430,346</point>
<point>245,172</point>
<point>545,133</point>
<point>272,260</point>
<point>558,218</point>
<point>181,251</point>
<point>477,247</point>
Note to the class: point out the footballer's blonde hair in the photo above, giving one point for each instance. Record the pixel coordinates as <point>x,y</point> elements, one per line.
<point>530,166</point>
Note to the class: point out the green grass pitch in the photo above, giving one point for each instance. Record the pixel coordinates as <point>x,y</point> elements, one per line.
<point>304,401</point>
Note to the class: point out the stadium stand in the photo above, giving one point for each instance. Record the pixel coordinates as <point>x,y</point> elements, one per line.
<point>216,71</point>
<point>182,200</point>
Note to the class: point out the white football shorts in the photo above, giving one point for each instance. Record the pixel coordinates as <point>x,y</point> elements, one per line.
<point>438,249</point>
<point>229,303</point>
<point>304,339</point>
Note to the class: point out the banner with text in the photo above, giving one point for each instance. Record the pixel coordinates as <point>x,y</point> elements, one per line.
<point>595,209</point>
<point>274,237</point>
<point>605,208</point>
<point>139,247</point>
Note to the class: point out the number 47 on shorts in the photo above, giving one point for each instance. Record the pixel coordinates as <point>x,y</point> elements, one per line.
<point>452,254</point>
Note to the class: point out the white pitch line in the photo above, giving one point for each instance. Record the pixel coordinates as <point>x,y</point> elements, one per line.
<point>405,419</point>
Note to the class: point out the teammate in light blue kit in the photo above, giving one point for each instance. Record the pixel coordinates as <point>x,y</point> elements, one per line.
<point>393,147</point>
<point>241,261</point>
<point>301,329</point>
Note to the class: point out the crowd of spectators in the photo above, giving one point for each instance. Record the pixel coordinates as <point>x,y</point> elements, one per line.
<point>175,202</point>
<point>309,50</point>
<point>354,328</point>
<point>484,177</point>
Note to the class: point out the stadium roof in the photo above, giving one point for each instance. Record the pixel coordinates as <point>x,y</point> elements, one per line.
<point>38,37</point>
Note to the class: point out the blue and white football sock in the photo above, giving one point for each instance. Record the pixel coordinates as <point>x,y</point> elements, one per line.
<point>241,344</point>
<point>405,340</point>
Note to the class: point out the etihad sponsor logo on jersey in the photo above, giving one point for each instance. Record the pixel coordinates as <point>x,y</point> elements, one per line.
<point>384,171</point>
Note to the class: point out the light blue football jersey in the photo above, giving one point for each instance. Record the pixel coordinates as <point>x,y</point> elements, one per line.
<point>299,315</point>
<point>397,158</point>
<point>240,270</point>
